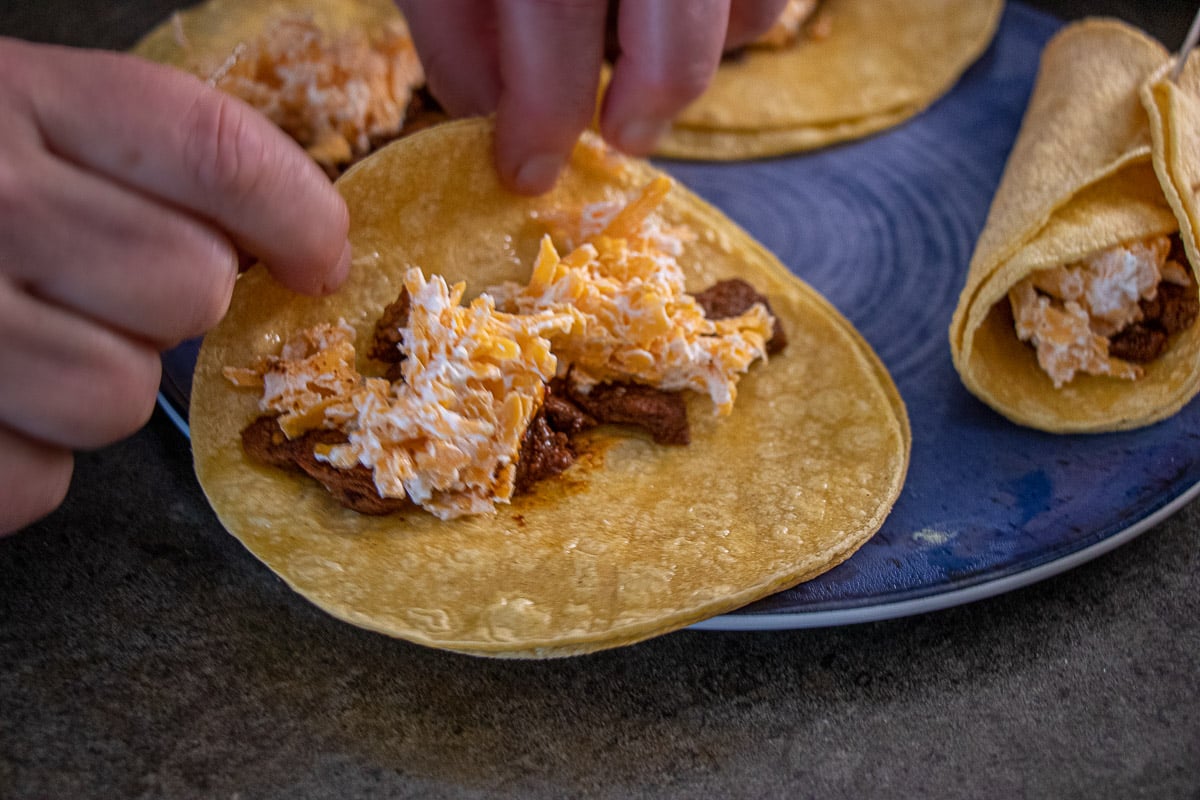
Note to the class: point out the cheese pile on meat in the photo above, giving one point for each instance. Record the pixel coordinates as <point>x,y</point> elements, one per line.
<point>337,97</point>
<point>633,319</point>
<point>447,434</point>
<point>799,19</point>
<point>1075,315</point>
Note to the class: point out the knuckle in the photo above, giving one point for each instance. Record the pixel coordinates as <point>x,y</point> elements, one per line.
<point>13,192</point>
<point>224,146</point>
<point>18,187</point>
<point>121,400</point>
<point>679,87</point>
<point>663,89</point>
<point>139,393</point>
<point>35,482</point>
<point>199,290</point>
<point>210,300</point>
<point>83,384</point>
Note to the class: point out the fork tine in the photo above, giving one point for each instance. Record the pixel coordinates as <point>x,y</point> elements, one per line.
<point>1188,44</point>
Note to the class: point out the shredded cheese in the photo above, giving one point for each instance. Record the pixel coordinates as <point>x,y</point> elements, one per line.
<point>333,96</point>
<point>447,435</point>
<point>1069,313</point>
<point>798,20</point>
<point>633,320</point>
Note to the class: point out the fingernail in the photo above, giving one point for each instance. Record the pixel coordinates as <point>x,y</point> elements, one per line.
<point>639,135</point>
<point>538,174</point>
<point>338,274</point>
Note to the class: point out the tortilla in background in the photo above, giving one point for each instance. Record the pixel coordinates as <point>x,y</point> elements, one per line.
<point>883,62</point>
<point>201,38</point>
<point>635,540</point>
<point>1081,178</point>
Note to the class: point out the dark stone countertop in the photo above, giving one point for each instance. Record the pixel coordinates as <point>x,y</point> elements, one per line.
<point>145,653</point>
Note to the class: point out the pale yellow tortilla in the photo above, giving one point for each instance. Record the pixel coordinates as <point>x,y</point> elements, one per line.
<point>201,38</point>
<point>1080,179</point>
<point>636,540</point>
<point>883,62</point>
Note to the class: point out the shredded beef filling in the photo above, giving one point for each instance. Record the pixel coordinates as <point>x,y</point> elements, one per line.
<point>265,442</point>
<point>661,414</point>
<point>1071,318</point>
<point>735,296</point>
<point>424,111</point>
<point>385,344</point>
<point>1173,309</point>
<point>545,453</point>
<point>546,448</point>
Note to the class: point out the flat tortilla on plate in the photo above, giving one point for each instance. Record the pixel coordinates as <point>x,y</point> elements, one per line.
<point>635,540</point>
<point>341,77</point>
<point>202,37</point>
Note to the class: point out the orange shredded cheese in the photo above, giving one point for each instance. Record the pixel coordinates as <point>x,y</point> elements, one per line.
<point>447,434</point>
<point>633,320</point>
<point>798,20</point>
<point>333,96</point>
<point>1069,313</point>
<point>313,368</point>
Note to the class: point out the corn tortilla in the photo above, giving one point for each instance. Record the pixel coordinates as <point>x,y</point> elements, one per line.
<point>642,539</point>
<point>1087,173</point>
<point>200,38</point>
<point>883,62</point>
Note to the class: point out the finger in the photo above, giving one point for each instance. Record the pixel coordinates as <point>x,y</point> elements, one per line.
<point>167,134</point>
<point>550,56</point>
<point>141,267</point>
<point>750,19</point>
<point>67,381</point>
<point>33,479</point>
<point>456,40</point>
<point>669,53</point>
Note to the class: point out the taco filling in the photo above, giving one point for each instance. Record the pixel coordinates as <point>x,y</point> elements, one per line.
<point>340,97</point>
<point>799,20</point>
<point>476,403</point>
<point>1109,313</point>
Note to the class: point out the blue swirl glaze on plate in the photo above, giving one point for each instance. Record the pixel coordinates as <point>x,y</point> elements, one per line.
<point>884,228</point>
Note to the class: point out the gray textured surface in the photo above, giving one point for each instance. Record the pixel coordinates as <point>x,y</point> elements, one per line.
<point>144,653</point>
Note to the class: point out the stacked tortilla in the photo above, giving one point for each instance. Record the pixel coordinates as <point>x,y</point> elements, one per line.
<point>1108,154</point>
<point>882,62</point>
<point>201,37</point>
<point>341,77</point>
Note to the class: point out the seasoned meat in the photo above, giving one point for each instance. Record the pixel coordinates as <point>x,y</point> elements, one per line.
<point>546,448</point>
<point>265,443</point>
<point>661,414</point>
<point>562,414</point>
<point>1173,309</point>
<point>544,453</point>
<point>424,111</point>
<point>385,345</point>
<point>354,488</point>
<point>735,296</point>
<point>1139,343</point>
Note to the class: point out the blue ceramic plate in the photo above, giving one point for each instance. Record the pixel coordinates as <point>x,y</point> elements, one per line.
<point>885,228</point>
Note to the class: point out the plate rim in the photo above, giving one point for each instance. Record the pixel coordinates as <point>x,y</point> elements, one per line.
<point>172,400</point>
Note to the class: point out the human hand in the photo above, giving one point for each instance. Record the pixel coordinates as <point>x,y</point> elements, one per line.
<point>536,64</point>
<point>126,192</point>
